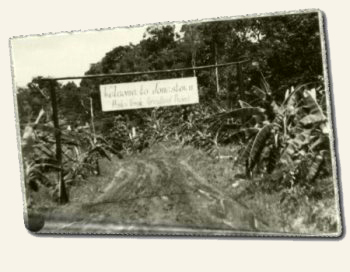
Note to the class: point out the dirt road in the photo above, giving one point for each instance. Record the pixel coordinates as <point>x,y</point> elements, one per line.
<point>157,193</point>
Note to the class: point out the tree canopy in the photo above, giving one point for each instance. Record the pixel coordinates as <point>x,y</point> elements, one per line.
<point>285,50</point>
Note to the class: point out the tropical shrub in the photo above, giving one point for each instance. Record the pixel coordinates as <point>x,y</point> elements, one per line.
<point>285,143</point>
<point>81,151</point>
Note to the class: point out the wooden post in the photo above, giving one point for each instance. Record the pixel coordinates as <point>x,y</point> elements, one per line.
<point>92,120</point>
<point>193,52</point>
<point>231,91</point>
<point>240,81</point>
<point>62,193</point>
<point>216,69</point>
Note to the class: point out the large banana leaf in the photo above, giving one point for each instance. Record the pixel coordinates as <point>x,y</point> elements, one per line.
<point>258,145</point>
<point>312,119</point>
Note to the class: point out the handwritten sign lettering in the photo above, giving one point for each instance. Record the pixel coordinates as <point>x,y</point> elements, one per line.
<point>149,94</point>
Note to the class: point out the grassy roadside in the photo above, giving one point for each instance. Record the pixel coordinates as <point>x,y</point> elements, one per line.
<point>292,210</point>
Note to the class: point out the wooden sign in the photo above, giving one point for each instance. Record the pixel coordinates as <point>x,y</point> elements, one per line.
<point>149,94</point>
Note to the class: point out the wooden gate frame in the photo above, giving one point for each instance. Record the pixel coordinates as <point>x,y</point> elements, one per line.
<point>63,196</point>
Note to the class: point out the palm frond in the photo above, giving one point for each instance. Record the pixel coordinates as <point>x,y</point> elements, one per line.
<point>244,104</point>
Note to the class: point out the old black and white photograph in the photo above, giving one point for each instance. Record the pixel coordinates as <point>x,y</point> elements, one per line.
<point>215,127</point>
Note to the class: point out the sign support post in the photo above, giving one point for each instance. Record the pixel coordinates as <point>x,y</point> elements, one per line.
<point>62,193</point>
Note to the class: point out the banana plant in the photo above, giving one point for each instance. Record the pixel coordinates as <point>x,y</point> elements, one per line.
<point>297,136</point>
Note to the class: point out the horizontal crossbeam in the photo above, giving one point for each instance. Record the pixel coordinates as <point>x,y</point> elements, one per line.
<point>148,72</point>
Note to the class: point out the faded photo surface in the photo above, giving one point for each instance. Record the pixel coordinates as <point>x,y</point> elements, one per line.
<point>217,127</point>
